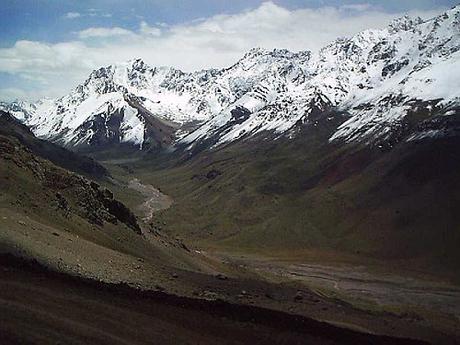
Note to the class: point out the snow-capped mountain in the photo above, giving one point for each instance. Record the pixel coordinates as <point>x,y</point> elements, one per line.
<point>21,110</point>
<point>376,77</point>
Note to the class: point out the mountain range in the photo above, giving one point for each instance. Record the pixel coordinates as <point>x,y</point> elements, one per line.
<point>376,80</point>
<point>287,188</point>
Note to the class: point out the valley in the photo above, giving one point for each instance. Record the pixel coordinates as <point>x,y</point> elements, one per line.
<point>377,296</point>
<point>306,197</point>
<point>172,256</point>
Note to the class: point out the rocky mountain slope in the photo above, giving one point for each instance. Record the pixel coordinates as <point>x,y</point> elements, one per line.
<point>10,126</point>
<point>70,195</point>
<point>375,79</point>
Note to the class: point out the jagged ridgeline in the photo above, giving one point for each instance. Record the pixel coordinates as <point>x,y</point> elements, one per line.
<point>377,79</point>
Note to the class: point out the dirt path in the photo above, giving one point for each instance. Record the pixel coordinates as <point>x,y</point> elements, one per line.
<point>156,201</point>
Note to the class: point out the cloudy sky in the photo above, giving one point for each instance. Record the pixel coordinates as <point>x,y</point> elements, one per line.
<point>47,47</point>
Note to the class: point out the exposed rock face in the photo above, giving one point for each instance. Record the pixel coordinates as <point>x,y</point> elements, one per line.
<point>114,207</point>
<point>73,194</point>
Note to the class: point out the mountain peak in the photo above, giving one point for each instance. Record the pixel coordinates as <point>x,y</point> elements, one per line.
<point>276,52</point>
<point>454,10</point>
<point>256,51</point>
<point>404,23</point>
<point>137,64</point>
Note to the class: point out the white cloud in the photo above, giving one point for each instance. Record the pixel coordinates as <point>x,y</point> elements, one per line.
<point>217,41</point>
<point>103,32</point>
<point>92,12</point>
<point>146,29</point>
<point>72,15</point>
<point>357,7</point>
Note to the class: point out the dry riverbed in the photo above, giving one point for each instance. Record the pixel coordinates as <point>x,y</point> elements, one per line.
<point>426,300</point>
<point>155,199</point>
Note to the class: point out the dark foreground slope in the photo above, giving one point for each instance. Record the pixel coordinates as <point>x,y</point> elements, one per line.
<point>41,307</point>
<point>395,200</point>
